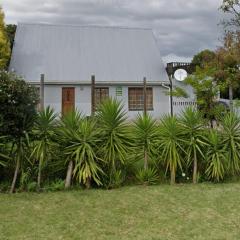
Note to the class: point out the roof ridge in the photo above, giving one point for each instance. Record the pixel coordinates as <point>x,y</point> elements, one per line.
<point>84,26</point>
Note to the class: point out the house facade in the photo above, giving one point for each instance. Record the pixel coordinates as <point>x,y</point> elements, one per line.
<point>68,56</point>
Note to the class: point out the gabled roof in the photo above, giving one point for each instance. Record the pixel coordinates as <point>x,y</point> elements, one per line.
<point>67,53</point>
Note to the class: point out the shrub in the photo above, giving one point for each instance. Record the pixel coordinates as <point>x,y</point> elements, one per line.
<point>148,176</point>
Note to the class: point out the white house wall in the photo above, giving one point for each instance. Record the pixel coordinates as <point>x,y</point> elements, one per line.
<point>53,98</point>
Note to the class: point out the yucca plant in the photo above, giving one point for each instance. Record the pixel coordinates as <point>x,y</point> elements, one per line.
<point>44,132</point>
<point>115,137</point>
<point>147,176</point>
<point>69,124</point>
<point>231,139</point>
<point>3,155</point>
<point>216,156</point>
<point>83,150</point>
<point>170,144</point>
<point>145,136</point>
<point>193,126</point>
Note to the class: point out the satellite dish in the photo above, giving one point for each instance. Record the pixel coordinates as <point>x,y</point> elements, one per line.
<point>180,75</point>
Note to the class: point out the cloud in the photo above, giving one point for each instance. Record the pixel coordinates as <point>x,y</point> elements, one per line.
<point>182,28</point>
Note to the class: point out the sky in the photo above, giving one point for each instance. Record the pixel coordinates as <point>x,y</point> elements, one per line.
<point>182,27</point>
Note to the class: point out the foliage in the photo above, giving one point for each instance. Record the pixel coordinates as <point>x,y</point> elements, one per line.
<point>215,156</point>
<point>44,132</point>
<point>4,43</point>
<point>115,136</point>
<point>83,149</point>
<point>170,144</point>
<point>147,176</point>
<point>203,58</point>
<point>231,139</point>
<point>145,137</point>
<point>10,31</point>
<point>231,7</point>
<point>206,91</point>
<point>18,102</point>
<point>193,127</point>
<point>56,185</point>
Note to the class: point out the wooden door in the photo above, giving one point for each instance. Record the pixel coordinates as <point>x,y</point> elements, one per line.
<point>68,99</point>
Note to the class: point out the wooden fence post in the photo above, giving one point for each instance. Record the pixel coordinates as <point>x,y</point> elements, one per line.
<point>42,93</point>
<point>93,105</point>
<point>145,95</point>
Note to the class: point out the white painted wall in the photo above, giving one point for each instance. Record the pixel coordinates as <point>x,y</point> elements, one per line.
<point>53,98</point>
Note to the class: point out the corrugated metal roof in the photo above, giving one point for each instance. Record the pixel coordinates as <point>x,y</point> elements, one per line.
<point>66,53</point>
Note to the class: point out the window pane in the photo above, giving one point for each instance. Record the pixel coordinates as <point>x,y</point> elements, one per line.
<point>136,99</point>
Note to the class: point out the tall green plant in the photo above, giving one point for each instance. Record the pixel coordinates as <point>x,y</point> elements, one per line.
<point>215,156</point>
<point>69,124</point>
<point>115,138</point>
<point>145,136</point>
<point>193,126</point>
<point>231,140</point>
<point>171,142</point>
<point>83,149</point>
<point>44,132</point>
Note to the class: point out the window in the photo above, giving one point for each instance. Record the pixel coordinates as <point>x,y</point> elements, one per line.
<point>100,95</point>
<point>136,99</point>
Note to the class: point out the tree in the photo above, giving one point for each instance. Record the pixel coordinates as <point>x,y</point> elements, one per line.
<point>69,124</point>
<point>203,58</point>
<point>10,31</point>
<point>231,7</point>
<point>18,102</point>
<point>115,135</point>
<point>145,135</point>
<point>44,132</point>
<point>215,156</point>
<point>231,140</point>
<point>193,126</point>
<point>206,90</point>
<point>227,66</point>
<point>170,144</point>
<point>4,43</point>
<point>83,149</point>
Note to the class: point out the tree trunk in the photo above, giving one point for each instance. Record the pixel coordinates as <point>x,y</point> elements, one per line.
<point>39,176</point>
<point>15,176</point>
<point>173,176</point>
<point>145,160</point>
<point>69,175</point>
<point>231,97</point>
<point>195,168</point>
<point>88,183</point>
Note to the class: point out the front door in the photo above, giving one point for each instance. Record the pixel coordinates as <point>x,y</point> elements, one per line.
<point>68,99</point>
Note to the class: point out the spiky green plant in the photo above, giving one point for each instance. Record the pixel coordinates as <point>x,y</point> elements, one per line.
<point>147,176</point>
<point>44,132</point>
<point>145,136</point>
<point>115,137</point>
<point>231,139</point>
<point>171,141</point>
<point>193,127</point>
<point>68,125</point>
<point>215,156</point>
<point>83,149</point>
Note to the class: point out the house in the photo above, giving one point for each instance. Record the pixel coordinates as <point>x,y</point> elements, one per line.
<point>68,56</point>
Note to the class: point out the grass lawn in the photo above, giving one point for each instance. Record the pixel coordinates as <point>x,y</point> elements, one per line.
<point>205,211</point>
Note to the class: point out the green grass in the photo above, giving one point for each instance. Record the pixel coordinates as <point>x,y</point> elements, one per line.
<point>205,211</point>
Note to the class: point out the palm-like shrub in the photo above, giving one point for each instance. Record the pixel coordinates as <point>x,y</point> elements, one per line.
<point>216,156</point>
<point>44,132</point>
<point>147,176</point>
<point>82,149</point>
<point>115,138</point>
<point>69,124</point>
<point>193,127</point>
<point>231,139</point>
<point>171,142</point>
<point>145,136</point>
<point>3,154</point>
